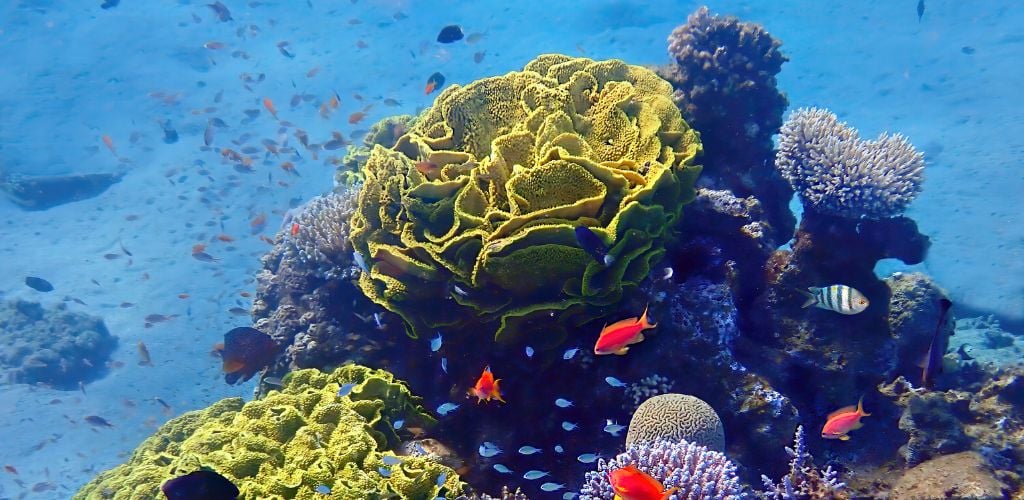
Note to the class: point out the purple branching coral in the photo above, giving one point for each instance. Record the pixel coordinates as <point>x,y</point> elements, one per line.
<point>803,480</point>
<point>837,173</point>
<point>696,471</point>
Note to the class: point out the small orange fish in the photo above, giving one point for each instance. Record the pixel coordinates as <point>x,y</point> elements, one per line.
<point>213,45</point>
<point>486,387</point>
<point>225,238</point>
<point>198,248</point>
<point>427,168</point>
<point>144,359</point>
<point>617,337</point>
<point>313,72</point>
<point>110,144</point>
<point>289,167</point>
<point>630,483</point>
<point>295,228</point>
<point>183,295</point>
<point>267,103</point>
<point>258,223</point>
<point>844,420</point>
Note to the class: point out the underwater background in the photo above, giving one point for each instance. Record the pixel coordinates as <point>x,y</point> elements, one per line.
<point>159,159</point>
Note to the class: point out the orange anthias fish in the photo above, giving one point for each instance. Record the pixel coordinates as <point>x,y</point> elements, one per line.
<point>844,420</point>
<point>630,483</point>
<point>267,103</point>
<point>617,337</point>
<point>486,387</point>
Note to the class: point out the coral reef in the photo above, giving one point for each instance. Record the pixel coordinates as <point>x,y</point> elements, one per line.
<point>724,80</point>
<point>803,479</point>
<point>836,173</point>
<point>291,442</point>
<point>676,417</point>
<point>960,475</point>
<point>479,200</point>
<point>384,132</point>
<point>52,346</point>
<point>696,471</point>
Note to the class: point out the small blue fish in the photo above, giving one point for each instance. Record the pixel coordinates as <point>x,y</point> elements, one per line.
<point>587,458</point>
<point>570,353</point>
<point>614,382</point>
<point>551,487</point>
<point>441,479</point>
<point>444,365</point>
<point>592,243</point>
<point>358,259</point>
<point>384,471</point>
<point>534,474</point>
<point>502,469</point>
<point>528,450</point>
<point>323,489</point>
<point>563,403</point>
<point>569,495</point>
<point>419,449</point>
<point>529,352</point>
<point>559,449</point>
<point>435,343</point>
<point>379,320</point>
<point>613,428</point>
<point>398,424</point>
<point>391,460</point>
<point>488,450</point>
<point>569,426</point>
<point>447,408</point>
<point>345,390</point>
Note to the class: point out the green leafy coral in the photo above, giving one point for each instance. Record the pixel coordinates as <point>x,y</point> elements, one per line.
<point>479,200</point>
<point>290,442</point>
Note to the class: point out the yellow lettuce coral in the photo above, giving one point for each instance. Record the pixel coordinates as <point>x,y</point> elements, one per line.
<point>291,442</point>
<point>478,202</point>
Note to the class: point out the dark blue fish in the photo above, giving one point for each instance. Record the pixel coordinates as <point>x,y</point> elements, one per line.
<point>920,10</point>
<point>200,485</point>
<point>170,135</point>
<point>933,361</point>
<point>246,351</point>
<point>962,352</point>
<point>38,284</point>
<point>109,4</point>
<point>592,243</point>
<point>449,34</point>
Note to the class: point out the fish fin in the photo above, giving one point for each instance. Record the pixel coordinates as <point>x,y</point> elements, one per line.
<point>844,437</point>
<point>845,409</point>
<point>668,493</point>
<point>232,365</point>
<point>860,408</point>
<point>622,323</point>
<point>622,351</point>
<point>856,426</point>
<point>812,299</point>
<point>639,338</point>
<point>644,323</point>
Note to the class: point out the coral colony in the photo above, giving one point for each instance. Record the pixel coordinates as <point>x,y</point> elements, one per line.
<point>517,216</point>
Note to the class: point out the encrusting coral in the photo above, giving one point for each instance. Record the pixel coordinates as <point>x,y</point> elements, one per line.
<point>291,442</point>
<point>677,417</point>
<point>837,173</point>
<point>480,199</point>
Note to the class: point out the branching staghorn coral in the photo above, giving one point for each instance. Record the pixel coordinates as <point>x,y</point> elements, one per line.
<point>837,173</point>
<point>803,480</point>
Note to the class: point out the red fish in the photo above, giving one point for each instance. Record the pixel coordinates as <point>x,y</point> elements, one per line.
<point>630,483</point>
<point>267,103</point>
<point>107,141</point>
<point>617,337</point>
<point>844,420</point>
<point>435,82</point>
<point>245,351</point>
<point>486,387</point>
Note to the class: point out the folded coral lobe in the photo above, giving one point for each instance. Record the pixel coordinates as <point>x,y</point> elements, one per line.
<point>521,161</point>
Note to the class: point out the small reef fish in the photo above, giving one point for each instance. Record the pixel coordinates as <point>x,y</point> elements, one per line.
<point>486,387</point>
<point>528,450</point>
<point>839,298</point>
<point>435,82</point>
<point>630,483</point>
<point>569,426</point>
<point>96,421</point>
<point>559,449</point>
<point>170,135</point>
<point>447,408</point>
<point>109,4</point>
<point>587,458</point>
<point>144,359</point>
<point>614,382</point>
<point>323,489</point>
<point>501,469</point>
<point>931,365</point>
<point>398,424</point>
<point>478,57</point>
<point>360,261</point>
<point>201,484</point>
<point>570,353</point>
<point>534,474</point>
<point>244,352</point>
<point>920,10</point>
<point>488,449</point>
<point>267,103</point>
<point>529,352</point>
<point>844,420</point>
<point>391,460</point>
<point>450,34</point>
<point>38,284</point>
<point>346,389</point>
<point>563,403</point>
<point>221,11</point>
<point>613,428</point>
<point>435,343</point>
<point>617,337</point>
<point>549,487</point>
<point>591,242</point>
<point>444,365</point>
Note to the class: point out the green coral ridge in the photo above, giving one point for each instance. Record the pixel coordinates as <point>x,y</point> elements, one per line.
<point>480,199</point>
<point>291,442</point>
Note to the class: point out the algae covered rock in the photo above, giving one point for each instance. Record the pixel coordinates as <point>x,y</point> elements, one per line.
<point>478,202</point>
<point>961,475</point>
<point>291,442</point>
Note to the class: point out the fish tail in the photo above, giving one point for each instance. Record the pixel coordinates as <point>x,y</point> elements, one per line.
<point>860,408</point>
<point>644,323</point>
<point>811,294</point>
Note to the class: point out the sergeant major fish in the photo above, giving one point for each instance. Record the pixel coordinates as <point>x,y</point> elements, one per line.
<point>839,298</point>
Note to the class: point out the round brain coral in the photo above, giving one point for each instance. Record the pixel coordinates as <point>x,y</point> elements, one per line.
<point>676,417</point>
<point>469,219</point>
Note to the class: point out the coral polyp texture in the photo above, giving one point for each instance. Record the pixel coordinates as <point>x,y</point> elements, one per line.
<point>838,173</point>
<point>676,417</point>
<point>478,202</point>
<point>320,242</point>
<point>292,442</point>
<point>696,471</point>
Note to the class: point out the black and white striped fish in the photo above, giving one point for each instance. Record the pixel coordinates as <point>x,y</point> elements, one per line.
<point>839,298</point>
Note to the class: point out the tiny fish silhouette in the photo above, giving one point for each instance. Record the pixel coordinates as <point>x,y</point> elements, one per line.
<point>449,34</point>
<point>920,10</point>
<point>201,484</point>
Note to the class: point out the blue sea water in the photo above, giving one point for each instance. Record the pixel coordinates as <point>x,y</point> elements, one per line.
<point>74,73</point>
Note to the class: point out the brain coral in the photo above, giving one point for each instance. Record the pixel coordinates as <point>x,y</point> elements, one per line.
<point>677,417</point>
<point>837,173</point>
<point>479,200</point>
<point>291,442</point>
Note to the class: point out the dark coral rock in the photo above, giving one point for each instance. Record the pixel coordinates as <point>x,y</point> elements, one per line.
<point>914,312</point>
<point>43,192</point>
<point>960,475</point>
<point>53,346</point>
<point>724,81</point>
